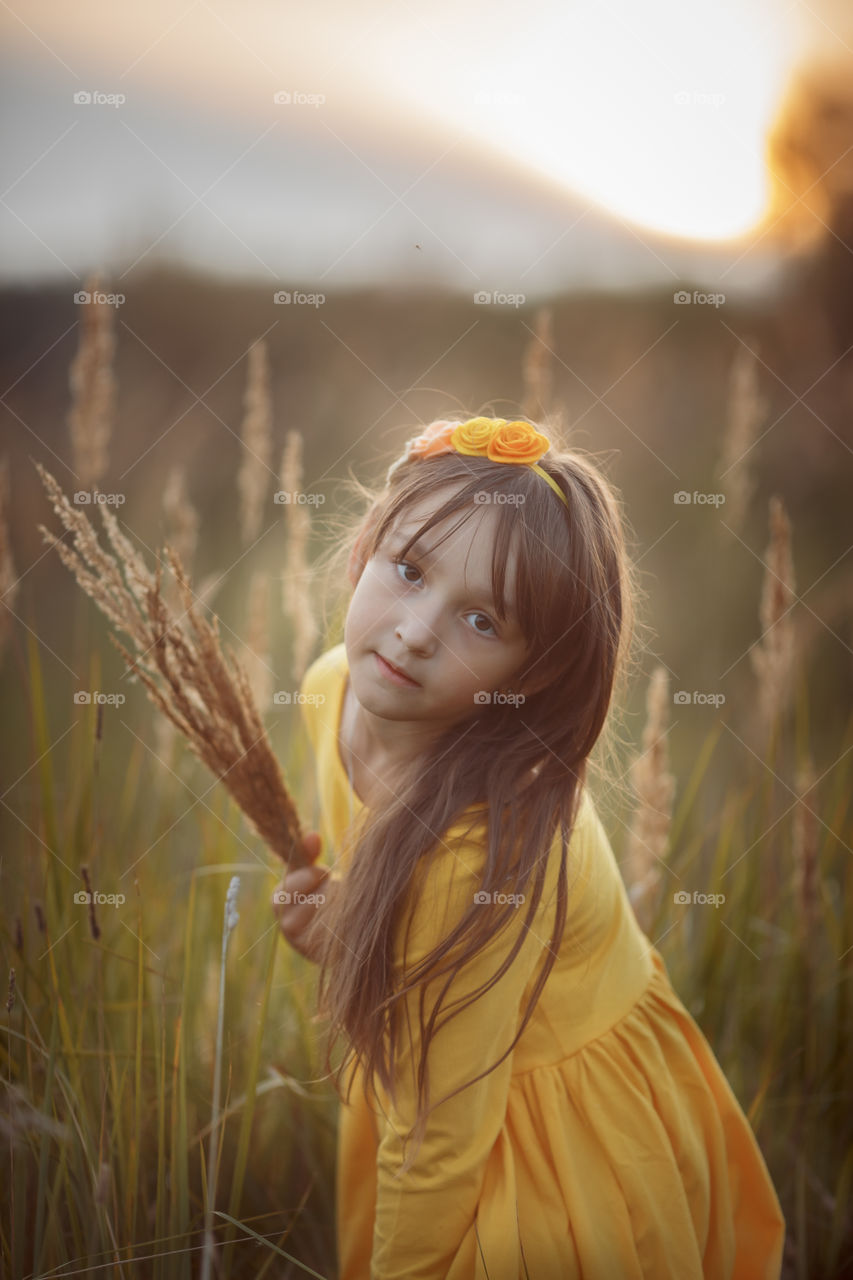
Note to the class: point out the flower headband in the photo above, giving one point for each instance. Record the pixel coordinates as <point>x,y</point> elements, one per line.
<point>492,438</point>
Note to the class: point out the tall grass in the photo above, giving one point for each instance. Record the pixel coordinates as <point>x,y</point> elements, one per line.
<point>110,1043</point>
<point>108,1050</point>
<point>115,1157</point>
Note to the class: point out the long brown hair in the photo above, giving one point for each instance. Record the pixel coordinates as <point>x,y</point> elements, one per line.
<point>576,597</point>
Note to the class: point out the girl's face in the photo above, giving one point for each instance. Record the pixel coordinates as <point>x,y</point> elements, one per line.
<point>432,617</point>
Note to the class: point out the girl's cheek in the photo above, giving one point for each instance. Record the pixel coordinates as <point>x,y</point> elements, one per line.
<point>371,595</point>
<point>381,582</point>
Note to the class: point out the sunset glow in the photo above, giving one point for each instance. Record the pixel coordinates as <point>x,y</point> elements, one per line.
<point>658,113</point>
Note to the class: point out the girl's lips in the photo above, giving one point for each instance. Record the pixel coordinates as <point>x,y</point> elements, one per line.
<point>391,673</point>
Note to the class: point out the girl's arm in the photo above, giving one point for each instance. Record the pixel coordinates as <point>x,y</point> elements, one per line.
<point>422,1217</point>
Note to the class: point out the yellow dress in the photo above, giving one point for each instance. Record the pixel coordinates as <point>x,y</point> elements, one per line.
<point>607,1146</point>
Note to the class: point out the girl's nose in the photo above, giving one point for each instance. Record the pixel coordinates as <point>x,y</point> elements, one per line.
<point>417,629</point>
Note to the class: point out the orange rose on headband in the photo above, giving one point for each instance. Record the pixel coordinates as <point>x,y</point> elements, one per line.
<point>517,442</point>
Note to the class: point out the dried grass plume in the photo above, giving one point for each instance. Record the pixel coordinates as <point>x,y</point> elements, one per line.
<point>180,662</point>
<point>297,604</point>
<point>93,389</point>
<point>654,787</point>
<point>182,519</point>
<point>254,476</point>
<point>747,411</point>
<point>773,656</point>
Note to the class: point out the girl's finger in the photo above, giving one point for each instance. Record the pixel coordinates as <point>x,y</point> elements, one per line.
<point>311,845</point>
<point>305,879</point>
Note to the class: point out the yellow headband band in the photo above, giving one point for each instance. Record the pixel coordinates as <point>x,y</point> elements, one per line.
<point>552,482</point>
<point>493,438</point>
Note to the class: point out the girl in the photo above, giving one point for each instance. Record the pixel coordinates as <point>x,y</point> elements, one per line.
<point>526,1094</point>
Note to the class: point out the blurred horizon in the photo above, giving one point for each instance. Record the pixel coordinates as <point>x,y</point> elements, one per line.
<point>407,152</point>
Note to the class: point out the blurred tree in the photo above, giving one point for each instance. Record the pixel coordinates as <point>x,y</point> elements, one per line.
<point>810,156</point>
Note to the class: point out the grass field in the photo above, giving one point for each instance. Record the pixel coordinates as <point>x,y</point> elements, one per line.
<point>110,1040</point>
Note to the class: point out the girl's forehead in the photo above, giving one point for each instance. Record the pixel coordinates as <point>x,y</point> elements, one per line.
<point>468,536</point>
<point>463,525</point>
<point>412,519</point>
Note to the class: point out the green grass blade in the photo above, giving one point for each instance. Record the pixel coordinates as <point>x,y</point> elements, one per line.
<point>241,1157</point>
<point>241,1226</point>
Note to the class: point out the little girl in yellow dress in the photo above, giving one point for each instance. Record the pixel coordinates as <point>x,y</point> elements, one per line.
<point>526,1095</point>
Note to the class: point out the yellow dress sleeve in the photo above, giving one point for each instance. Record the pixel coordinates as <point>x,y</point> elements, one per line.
<point>422,1216</point>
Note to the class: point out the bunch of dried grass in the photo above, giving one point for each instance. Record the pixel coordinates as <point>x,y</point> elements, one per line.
<point>206,696</point>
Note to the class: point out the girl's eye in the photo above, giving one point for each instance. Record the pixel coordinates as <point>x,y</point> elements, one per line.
<point>487,620</point>
<point>403,566</point>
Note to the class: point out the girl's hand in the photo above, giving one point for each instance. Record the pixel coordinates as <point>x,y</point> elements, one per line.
<point>300,897</point>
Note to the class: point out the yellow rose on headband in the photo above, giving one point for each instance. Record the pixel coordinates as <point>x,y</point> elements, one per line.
<point>475,435</point>
<point>517,442</point>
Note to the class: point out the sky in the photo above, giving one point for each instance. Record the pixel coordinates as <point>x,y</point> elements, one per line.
<point>512,148</point>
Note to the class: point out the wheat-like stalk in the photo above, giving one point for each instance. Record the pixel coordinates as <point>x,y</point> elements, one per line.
<point>8,577</point>
<point>747,409</point>
<point>773,657</point>
<point>232,915</point>
<point>93,389</point>
<point>182,519</point>
<point>537,368</point>
<point>180,662</point>
<point>254,476</point>
<point>654,787</point>
<point>296,598</point>
<point>182,522</point>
